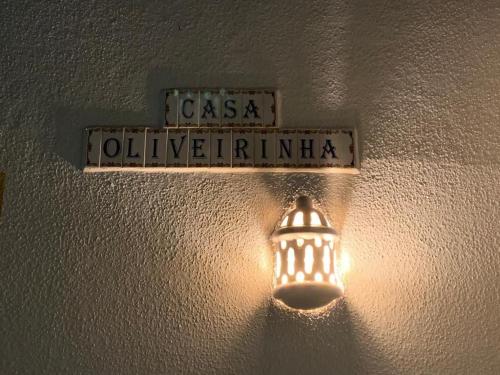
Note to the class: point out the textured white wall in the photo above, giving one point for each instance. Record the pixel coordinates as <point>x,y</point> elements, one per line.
<point>169,273</point>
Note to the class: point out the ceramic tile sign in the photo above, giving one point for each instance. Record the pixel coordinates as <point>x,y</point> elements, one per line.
<point>242,147</point>
<point>199,148</point>
<point>111,149</point>
<point>133,147</point>
<point>156,148</point>
<point>286,148</point>
<point>264,149</point>
<point>220,107</point>
<point>218,148</point>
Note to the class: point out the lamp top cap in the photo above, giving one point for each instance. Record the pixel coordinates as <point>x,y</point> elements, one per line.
<point>303,221</point>
<point>304,202</point>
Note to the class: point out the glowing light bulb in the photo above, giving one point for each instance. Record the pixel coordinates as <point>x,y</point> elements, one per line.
<point>318,277</point>
<point>326,259</point>
<point>318,242</point>
<point>300,242</point>
<point>346,262</point>
<point>291,261</point>
<point>300,276</point>
<point>315,220</point>
<point>283,244</point>
<point>298,220</point>
<point>284,279</point>
<point>309,259</point>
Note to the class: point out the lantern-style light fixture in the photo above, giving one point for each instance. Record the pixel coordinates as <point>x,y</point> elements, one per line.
<point>307,272</point>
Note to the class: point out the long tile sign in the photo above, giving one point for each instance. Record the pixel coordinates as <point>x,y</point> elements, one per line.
<point>231,148</point>
<point>220,107</point>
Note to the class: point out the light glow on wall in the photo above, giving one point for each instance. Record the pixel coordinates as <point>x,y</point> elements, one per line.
<point>326,259</point>
<point>291,261</point>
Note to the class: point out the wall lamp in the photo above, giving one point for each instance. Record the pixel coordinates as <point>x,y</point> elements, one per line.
<point>308,271</point>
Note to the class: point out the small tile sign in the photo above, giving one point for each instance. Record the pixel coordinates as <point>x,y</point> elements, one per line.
<point>214,128</point>
<point>219,107</point>
<point>220,147</point>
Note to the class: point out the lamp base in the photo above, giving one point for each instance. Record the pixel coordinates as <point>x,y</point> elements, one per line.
<point>307,295</point>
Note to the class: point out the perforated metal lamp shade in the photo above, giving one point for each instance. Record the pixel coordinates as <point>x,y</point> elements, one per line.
<point>306,272</point>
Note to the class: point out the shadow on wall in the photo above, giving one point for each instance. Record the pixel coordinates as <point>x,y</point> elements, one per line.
<point>69,123</point>
<point>163,78</point>
<point>325,342</point>
<point>330,193</point>
<point>307,343</point>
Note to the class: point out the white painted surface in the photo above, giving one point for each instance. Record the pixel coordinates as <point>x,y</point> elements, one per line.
<point>155,273</point>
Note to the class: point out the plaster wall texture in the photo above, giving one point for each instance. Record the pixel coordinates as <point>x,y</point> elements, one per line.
<point>171,273</point>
